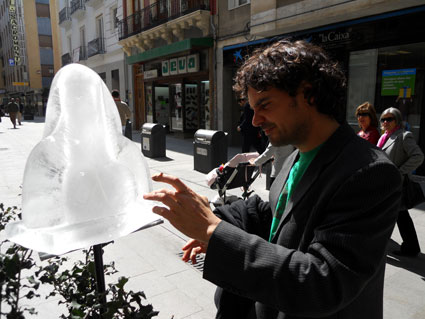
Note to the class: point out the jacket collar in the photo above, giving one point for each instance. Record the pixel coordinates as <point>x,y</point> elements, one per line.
<point>330,149</point>
<point>392,138</point>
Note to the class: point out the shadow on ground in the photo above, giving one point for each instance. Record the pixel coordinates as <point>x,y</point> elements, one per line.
<point>415,265</point>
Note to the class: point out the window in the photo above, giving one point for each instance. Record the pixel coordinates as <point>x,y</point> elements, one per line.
<point>46,56</point>
<point>115,75</point>
<point>43,25</point>
<point>114,19</point>
<point>232,4</point>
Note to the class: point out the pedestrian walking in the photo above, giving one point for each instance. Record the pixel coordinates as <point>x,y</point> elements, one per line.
<point>123,109</point>
<point>21,110</point>
<point>401,148</point>
<point>13,109</point>
<point>251,135</point>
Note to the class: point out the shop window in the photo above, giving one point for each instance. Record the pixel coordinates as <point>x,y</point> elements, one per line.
<point>162,108</point>
<point>149,104</point>
<point>389,77</point>
<point>361,81</point>
<point>400,82</point>
<point>176,101</point>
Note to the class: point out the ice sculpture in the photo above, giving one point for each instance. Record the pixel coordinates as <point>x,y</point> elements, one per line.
<point>84,181</point>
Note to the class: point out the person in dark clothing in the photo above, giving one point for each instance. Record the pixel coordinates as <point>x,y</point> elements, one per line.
<point>13,109</point>
<point>251,135</point>
<point>317,248</point>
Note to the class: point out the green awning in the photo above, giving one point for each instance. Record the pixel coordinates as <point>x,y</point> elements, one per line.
<point>170,49</point>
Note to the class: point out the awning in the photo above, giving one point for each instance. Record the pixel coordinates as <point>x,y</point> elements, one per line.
<point>173,48</point>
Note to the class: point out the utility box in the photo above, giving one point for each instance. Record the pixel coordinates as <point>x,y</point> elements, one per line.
<point>153,140</point>
<point>209,150</point>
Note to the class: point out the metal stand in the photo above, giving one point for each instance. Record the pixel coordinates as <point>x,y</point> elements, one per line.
<point>100,276</point>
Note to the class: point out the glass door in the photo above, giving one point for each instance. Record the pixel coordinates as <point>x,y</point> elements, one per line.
<point>176,107</point>
<point>162,108</point>
<point>191,107</point>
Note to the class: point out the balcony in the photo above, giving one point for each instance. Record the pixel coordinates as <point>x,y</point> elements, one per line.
<point>158,13</point>
<point>65,18</point>
<point>94,3</point>
<point>96,46</point>
<point>66,59</point>
<point>78,8</point>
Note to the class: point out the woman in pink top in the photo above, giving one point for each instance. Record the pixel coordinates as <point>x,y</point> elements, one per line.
<point>368,122</point>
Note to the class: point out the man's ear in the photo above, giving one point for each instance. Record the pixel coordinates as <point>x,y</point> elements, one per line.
<point>306,88</point>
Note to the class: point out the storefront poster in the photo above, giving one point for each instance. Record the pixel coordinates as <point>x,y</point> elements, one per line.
<point>399,82</point>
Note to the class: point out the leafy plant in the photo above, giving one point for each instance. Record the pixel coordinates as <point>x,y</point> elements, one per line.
<point>15,285</point>
<point>76,286</point>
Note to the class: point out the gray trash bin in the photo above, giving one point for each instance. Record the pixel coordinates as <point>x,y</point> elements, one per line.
<point>209,150</point>
<point>153,140</point>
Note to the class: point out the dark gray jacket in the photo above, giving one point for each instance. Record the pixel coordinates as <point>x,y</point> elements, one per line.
<point>327,258</point>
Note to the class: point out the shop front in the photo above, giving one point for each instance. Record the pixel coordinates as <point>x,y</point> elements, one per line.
<point>174,90</point>
<point>383,57</point>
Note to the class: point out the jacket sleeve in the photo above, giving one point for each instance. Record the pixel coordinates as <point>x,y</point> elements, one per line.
<point>415,156</point>
<point>267,154</point>
<point>349,234</point>
<point>253,215</point>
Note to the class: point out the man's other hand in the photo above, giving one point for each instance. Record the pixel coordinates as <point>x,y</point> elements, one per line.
<point>186,210</point>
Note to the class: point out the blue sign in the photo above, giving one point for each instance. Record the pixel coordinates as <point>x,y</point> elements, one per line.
<point>12,62</point>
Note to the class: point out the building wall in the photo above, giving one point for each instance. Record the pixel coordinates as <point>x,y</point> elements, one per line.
<point>113,57</point>
<point>32,45</point>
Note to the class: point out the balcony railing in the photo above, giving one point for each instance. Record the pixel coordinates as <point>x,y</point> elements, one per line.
<point>77,5</point>
<point>96,46</point>
<point>64,15</point>
<point>158,13</point>
<point>66,59</point>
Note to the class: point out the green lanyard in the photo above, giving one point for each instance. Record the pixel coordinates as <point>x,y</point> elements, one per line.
<point>295,175</point>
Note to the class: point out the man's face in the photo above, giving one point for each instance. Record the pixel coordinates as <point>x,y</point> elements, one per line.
<point>283,118</point>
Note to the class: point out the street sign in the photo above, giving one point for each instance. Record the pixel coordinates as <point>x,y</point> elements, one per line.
<point>11,62</point>
<point>20,83</point>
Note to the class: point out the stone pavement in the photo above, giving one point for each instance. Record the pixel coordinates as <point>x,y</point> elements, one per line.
<point>151,257</point>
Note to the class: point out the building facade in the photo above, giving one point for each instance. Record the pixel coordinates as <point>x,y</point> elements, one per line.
<point>29,50</point>
<point>380,45</point>
<point>169,44</point>
<point>89,33</point>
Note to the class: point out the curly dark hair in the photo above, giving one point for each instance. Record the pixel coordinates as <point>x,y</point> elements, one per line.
<point>287,65</point>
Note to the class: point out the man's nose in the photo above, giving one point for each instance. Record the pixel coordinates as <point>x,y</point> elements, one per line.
<point>257,119</point>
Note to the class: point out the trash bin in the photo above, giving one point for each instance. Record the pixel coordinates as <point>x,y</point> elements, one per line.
<point>209,150</point>
<point>153,140</point>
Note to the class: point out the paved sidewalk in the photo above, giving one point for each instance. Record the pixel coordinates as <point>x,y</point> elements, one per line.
<point>150,257</point>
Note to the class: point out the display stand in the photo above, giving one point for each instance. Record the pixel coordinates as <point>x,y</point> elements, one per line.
<point>98,262</point>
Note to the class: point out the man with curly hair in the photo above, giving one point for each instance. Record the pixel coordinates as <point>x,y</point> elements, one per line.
<point>317,249</point>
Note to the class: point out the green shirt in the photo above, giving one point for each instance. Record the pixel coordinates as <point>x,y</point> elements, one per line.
<point>297,171</point>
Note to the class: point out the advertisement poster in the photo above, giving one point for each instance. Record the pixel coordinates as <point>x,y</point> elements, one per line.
<point>399,83</point>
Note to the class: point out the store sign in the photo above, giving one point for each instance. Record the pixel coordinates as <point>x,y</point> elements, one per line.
<point>181,65</point>
<point>150,74</point>
<point>399,82</point>
<point>173,66</point>
<point>165,67</point>
<point>334,36</point>
<point>15,33</point>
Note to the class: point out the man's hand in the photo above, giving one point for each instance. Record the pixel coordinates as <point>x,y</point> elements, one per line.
<point>187,211</point>
<point>193,248</point>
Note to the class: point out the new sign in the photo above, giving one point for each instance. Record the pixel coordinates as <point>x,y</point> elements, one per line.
<point>181,65</point>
